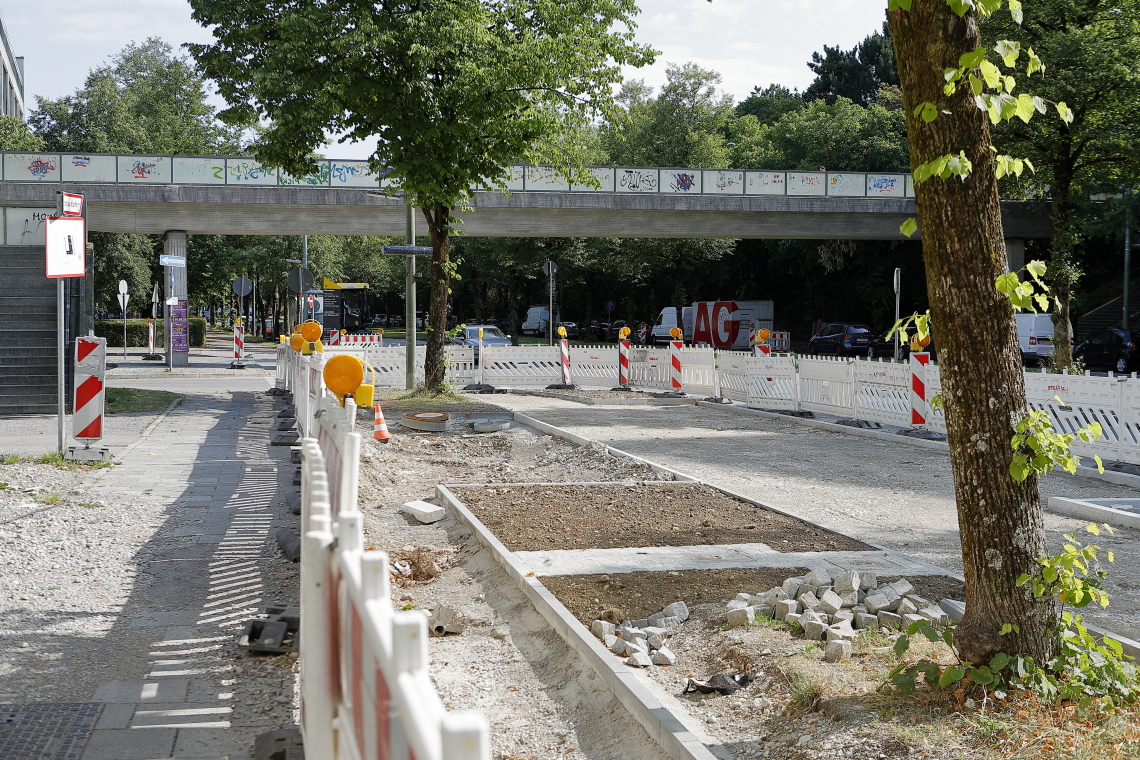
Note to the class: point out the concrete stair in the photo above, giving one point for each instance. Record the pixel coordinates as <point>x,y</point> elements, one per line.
<point>27,333</point>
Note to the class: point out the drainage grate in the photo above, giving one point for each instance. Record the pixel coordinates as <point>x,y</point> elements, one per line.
<point>48,730</point>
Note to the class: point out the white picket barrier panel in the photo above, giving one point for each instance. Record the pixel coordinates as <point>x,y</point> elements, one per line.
<point>366,690</point>
<point>733,372</point>
<point>594,366</point>
<point>773,382</point>
<point>281,378</point>
<point>882,391</point>
<point>827,385</point>
<point>1112,401</point>
<point>650,368</point>
<point>698,370</point>
<point>514,366</point>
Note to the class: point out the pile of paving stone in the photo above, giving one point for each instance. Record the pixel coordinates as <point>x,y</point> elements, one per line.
<point>642,642</point>
<point>831,608</point>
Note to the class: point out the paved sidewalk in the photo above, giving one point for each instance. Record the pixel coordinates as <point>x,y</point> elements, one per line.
<point>189,692</point>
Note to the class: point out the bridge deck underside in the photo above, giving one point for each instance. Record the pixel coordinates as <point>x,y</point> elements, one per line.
<point>314,211</point>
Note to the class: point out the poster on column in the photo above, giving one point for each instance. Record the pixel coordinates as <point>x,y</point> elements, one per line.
<point>180,327</point>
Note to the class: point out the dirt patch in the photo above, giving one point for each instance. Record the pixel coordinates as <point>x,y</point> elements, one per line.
<point>638,595</point>
<point>527,518</point>
<point>932,587</point>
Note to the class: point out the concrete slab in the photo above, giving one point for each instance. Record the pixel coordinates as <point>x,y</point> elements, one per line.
<point>182,715</point>
<point>214,742</point>
<point>115,716</point>
<point>129,744</point>
<point>132,692</point>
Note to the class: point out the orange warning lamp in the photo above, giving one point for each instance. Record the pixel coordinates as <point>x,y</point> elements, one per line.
<point>311,331</point>
<point>561,331</point>
<point>343,374</point>
<point>676,333</point>
<point>296,341</point>
<point>763,335</point>
<point>624,332</point>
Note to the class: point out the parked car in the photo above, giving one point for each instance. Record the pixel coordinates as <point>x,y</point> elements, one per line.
<point>396,320</point>
<point>598,330</point>
<point>881,348</point>
<point>613,328</point>
<point>1113,350</point>
<point>492,336</point>
<point>505,324</point>
<point>841,339</point>
<point>572,331</point>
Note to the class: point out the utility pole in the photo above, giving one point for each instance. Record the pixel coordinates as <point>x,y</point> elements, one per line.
<point>410,299</point>
<point>304,265</point>
<point>1127,254</point>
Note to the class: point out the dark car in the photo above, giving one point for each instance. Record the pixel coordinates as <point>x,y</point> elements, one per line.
<point>612,331</point>
<point>841,339</point>
<point>492,336</point>
<point>1113,350</point>
<point>572,331</point>
<point>881,348</point>
<point>598,330</point>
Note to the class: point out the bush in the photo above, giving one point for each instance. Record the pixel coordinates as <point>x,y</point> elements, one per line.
<point>112,330</point>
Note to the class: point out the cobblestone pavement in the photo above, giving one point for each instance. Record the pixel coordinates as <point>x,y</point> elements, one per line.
<point>892,494</point>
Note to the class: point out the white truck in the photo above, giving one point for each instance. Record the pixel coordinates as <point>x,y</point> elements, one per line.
<point>1035,336</point>
<point>722,324</point>
<point>536,321</point>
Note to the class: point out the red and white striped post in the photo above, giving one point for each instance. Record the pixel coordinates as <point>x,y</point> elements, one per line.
<point>752,334</point>
<point>334,339</point>
<point>919,404</point>
<point>675,347</point>
<point>90,364</point>
<point>644,332</point>
<point>623,363</point>
<point>239,339</point>
<point>565,345</point>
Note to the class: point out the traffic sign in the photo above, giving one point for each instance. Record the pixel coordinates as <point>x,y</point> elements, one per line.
<point>300,279</point>
<point>65,246</point>
<point>123,286</point>
<point>242,286</point>
<point>550,269</point>
<point>123,298</point>
<point>72,204</point>
<point>407,250</point>
<point>610,305</point>
<point>171,261</point>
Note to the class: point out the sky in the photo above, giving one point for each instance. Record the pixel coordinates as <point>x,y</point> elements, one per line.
<point>750,42</point>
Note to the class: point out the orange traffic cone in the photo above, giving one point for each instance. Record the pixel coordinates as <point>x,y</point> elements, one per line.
<point>379,427</point>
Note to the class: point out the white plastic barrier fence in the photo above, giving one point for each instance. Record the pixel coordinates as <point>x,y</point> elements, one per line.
<point>827,385</point>
<point>773,382</point>
<point>522,365</point>
<point>733,373</point>
<point>649,367</point>
<point>881,393</point>
<point>366,690</point>
<point>284,363</point>
<point>594,366</point>
<point>698,370</point>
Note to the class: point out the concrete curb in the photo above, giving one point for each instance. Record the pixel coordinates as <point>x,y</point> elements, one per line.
<point>1119,478</point>
<point>578,440</point>
<point>1095,512</point>
<point>661,724</point>
<point>632,401</point>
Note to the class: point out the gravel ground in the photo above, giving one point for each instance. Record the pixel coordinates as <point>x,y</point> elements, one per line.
<point>885,492</point>
<point>531,518</point>
<point>541,701</point>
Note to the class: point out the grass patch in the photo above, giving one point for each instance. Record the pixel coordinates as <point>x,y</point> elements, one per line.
<point>49,498</point>
<point>422,396</point>
<point>52,457</point>
<point>10,458</point>
<point>127,400</point>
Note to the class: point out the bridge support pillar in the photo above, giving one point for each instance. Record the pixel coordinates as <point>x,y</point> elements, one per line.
<point>176,306</point>
<point>1015,253</point>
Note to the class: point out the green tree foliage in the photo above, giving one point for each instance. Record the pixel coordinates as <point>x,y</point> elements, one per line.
<point>14,135</point>
<point>1090,49</point>
<point>770,103</point>
<point>842,136</point>
<point>146,100</point>
<point>684,126</point>
<point>453,91</point>
<point>856,74</point>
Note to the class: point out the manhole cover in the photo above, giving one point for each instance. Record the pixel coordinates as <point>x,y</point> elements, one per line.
<point>47,731</point>
<point>435,422</point>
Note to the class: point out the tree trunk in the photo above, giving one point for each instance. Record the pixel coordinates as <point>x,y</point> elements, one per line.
<point>434,364</point>
<point>1000,520</point>
<point>1063,274</point>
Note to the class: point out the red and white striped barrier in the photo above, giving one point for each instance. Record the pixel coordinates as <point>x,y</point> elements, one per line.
<point>360,339</point>
<point>781,341</point>
<point>334,338</point>
<point>623,363</point>
<point>366,688</point>
<point>675,347</point>
<point>919,404</point>
<point>239,340</point>
<point>565,347</point>
<point>90,364</point>
<point>643,333</point>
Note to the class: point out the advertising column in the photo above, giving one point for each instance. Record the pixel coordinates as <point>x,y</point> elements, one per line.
<point>177,322</point>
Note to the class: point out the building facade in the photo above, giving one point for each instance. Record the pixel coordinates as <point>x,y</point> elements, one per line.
<point>11,78</point>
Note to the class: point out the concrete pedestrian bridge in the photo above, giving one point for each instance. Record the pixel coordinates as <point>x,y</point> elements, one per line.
<point>238,196</point>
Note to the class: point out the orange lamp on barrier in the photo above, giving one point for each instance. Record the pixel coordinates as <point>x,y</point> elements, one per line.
<point>296,341</point>
<point>763,335</point>
<point>311,330</point>
<point>676,333</point>
<point>343,375</point>
<point>624,332</point>
<point>561,331</point>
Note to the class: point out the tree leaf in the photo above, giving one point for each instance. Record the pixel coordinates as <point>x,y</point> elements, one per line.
<point>1064,112</point>
<point>1015,12</point>
<point>990,74</point>
<point>909,227</point>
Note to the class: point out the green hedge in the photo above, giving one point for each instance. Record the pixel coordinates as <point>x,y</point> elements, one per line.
<point>112,330</point>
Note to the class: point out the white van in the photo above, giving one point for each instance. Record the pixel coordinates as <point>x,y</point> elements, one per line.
<point>1035,336</point>
<point>536,321</point>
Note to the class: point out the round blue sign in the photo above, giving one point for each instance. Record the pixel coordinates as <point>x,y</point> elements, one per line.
<point>610,305</point>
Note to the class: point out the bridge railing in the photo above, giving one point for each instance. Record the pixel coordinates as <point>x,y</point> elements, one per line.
<point>123,169</point>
